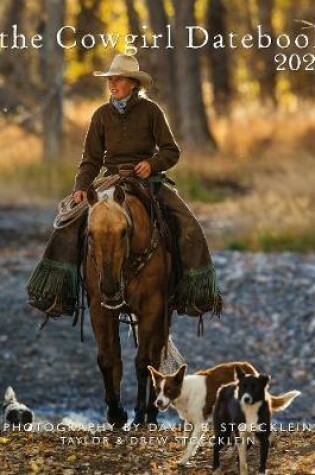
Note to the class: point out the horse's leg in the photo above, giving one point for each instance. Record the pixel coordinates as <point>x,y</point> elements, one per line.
<point>157,351</point>
<point>107,336</point>
<point>152,410</point>
<point>150,336</point>
<point>117,370</point>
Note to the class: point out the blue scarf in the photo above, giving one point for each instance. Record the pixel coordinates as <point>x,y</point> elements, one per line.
<point>121,105</point>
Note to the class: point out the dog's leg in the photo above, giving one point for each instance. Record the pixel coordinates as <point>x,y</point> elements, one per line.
<point>264,450</point>
<point>193,443</point>
<point>218,445</point>
<point>242,456</point>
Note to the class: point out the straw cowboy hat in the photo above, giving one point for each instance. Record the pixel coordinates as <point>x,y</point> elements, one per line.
<point>127,66</point>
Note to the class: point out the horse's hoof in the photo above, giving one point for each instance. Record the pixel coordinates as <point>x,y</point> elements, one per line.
<point>117,416</point>
<point>139,419</point>
<point>153,422</point>
<point>152,419</point>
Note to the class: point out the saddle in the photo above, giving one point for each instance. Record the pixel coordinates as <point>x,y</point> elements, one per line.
<point>54,286</point>
<point>145,191</point>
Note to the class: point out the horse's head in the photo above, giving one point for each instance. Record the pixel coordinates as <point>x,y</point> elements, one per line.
<point>108,240</point>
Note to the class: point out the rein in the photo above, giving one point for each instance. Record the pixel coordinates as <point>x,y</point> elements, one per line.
<point>134,262</point>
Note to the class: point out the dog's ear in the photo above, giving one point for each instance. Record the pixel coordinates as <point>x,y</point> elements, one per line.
<point>155,375</point>
<point>239,373</point>
<point>264,379</point>
<point>91,195</point>
<point>9,394</point>
<point>180,373</point>
<point>119,195</point>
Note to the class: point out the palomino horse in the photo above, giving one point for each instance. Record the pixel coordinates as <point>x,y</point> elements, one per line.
<point>121,236</point>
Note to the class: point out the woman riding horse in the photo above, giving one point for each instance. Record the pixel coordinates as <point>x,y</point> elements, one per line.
<point>132,129</point>
<point>129,130</point>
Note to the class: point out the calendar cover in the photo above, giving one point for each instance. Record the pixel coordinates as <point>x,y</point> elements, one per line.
<point>157,210</point>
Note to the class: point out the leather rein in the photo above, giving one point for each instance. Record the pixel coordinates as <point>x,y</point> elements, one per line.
<point>134,262</point>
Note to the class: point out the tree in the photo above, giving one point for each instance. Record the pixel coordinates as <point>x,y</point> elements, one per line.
<point>267,73</point>
<point>53,81</point>
<point>13,65</point>
<point>219,58</point>
<point>165,79</point>
<point>87,21</point>
<point>194,130</point>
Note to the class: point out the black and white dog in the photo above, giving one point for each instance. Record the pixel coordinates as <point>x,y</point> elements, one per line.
<point>244,409</point>
<point>15,412</point>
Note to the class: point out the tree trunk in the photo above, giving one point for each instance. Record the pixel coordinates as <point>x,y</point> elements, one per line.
<point>14,65</point>
<point>53,106</point>
<point>267,74</point>
<point>163,62</point>
<point>143,55</point>
<point>88,20</point>
<point>194,130</point>
<point>133,18</point>
<point>219,58</point>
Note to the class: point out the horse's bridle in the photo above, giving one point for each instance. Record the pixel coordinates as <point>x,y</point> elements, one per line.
<point>120,295</point>
<point>134,262</point>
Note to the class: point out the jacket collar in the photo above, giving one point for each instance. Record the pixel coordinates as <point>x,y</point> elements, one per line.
<point>131,103</point>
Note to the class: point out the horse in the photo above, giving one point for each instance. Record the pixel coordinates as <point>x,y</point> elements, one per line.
<point>127,266</point>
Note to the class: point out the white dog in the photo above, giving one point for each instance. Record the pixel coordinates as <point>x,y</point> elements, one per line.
<point>15,412</point>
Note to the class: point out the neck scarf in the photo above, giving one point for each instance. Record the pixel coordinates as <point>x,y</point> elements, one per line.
<point>121,105</point>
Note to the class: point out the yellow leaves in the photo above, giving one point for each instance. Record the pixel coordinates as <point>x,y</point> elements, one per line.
<point>34,467</point>
<point>4,440</point>
<point>36,454</point>
<point>75,69</point>
<point>201,11</point>
<point>142,12</point>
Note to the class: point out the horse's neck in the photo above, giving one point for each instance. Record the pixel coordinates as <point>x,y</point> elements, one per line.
<point>141,225</point>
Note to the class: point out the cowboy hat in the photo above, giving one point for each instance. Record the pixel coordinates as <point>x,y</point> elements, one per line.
<point>127,66</point>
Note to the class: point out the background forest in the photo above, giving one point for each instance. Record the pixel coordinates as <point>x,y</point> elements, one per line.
<point>246,129</point>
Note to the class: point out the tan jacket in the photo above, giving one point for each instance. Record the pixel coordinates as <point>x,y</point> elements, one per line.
<point>141,133</point>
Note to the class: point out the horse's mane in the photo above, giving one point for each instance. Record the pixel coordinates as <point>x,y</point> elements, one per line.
<point>106,197</point>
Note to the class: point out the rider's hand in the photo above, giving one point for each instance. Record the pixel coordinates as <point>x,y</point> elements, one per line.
<point>143,169</point>
<point>79,196</point>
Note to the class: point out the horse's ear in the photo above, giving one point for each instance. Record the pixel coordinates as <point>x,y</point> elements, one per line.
<point>91,195</point>
<point>119,195</point>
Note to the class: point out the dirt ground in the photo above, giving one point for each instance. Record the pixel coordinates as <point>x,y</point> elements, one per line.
<point>57,376</point>
<point>141,452</point>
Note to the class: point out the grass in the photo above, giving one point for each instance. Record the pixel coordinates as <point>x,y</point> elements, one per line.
<point>193,187</point>
<point>274,240</point>
<point>259,185</point>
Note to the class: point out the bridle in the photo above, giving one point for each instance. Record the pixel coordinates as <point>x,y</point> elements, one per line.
<point>133,262</point>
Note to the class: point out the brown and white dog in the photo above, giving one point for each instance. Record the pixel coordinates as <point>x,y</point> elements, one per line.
<point>193,396</point>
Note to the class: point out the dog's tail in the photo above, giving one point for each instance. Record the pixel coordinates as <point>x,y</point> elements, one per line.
<point>9,395</point>
<point>279,403</point>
